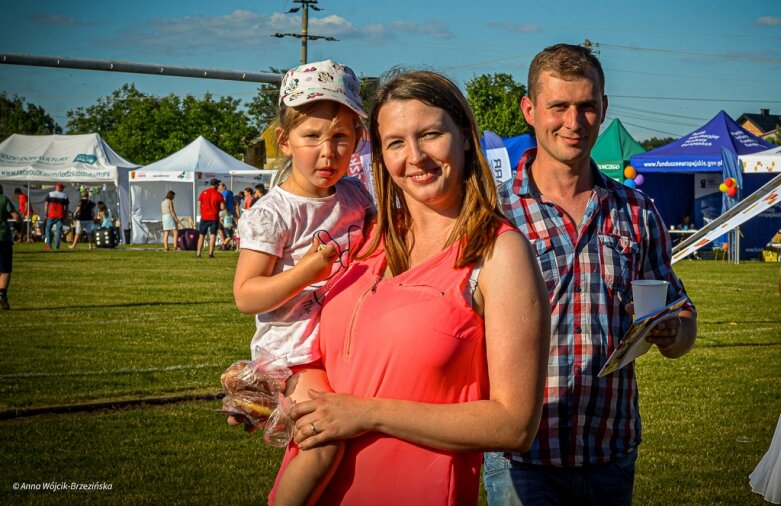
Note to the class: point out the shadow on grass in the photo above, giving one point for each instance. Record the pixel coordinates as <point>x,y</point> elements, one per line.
<point>729,322</point>
<point>127,304</point>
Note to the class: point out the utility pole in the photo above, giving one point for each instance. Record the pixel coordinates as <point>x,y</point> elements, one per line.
<point>304,35</point>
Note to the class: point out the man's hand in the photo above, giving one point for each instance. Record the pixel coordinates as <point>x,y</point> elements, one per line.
<point>674,335</point>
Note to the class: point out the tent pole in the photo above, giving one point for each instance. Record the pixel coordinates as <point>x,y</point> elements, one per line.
<point>195,208</point>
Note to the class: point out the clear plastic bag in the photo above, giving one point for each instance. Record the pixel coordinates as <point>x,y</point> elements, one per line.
<point>255,390</point>
<point>279,427</point>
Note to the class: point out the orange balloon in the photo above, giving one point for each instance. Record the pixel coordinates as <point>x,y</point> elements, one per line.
<point>732,191</point>
<point>630,172</point>
<point>729,182</point>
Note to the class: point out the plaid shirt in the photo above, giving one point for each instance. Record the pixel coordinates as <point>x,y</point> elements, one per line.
<point>588,271</point>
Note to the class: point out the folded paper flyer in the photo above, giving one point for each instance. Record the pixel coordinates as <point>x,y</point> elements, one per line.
<point>634,344</point>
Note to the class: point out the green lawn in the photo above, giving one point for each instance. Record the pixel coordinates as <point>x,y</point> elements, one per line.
<point>112,325</point>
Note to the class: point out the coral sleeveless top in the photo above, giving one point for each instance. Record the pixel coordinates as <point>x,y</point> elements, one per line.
<point>414,337</point>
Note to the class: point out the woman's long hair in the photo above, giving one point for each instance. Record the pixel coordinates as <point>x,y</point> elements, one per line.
<point>479,218</point>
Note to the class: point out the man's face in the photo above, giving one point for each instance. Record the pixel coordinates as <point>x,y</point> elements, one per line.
<point>566,116</point>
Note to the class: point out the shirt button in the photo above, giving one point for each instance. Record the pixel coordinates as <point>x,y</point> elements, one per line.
<point>578,329</point>
<point>578,289</point>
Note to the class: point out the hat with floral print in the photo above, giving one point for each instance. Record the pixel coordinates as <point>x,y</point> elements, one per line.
<point>322,80</point>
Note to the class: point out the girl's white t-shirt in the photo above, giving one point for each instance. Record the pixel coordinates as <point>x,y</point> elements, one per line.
<point>284,225</point>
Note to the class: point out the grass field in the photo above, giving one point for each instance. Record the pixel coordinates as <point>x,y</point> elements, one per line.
<point>96,326</point>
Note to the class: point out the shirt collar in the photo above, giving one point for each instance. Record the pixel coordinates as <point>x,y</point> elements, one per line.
<point>522,185</point>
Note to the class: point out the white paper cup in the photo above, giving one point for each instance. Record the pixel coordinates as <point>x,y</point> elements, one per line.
<point>649,295</point>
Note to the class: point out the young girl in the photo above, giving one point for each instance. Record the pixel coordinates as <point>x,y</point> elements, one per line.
<point>297,237</point>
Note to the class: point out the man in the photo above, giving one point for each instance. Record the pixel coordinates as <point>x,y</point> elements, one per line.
<point>7,210</point>
<point>230,201</point>
<point>55,209</point>
<point>210,203</point>
<point>84,219</point>
<point>260,190</point>
<point>24,210</point>
<point>592,236</point>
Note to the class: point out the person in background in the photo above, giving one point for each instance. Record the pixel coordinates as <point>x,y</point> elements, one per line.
<point>84,218</point>
<point>55,209</point>
<point>210,203</point>
<point>105,218</point>
<point>227,223</point>
<point>249,199</point>
<point>260,190</point>
<point>170,220</point>
<point>25,212</point>
<point>230,201</point>
<point>592,237</point>
<point>239,204</point>
<point>7,211</point>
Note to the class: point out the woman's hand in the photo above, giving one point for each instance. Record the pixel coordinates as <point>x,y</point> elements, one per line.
<point>330,416</point>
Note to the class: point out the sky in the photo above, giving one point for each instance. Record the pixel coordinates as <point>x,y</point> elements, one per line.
<point>670,65</point>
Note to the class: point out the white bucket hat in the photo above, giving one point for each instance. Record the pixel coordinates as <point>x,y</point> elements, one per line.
<point>322,80</point>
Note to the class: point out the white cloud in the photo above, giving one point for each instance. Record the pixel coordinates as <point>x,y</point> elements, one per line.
<point>768,21</point>
<point>250,30</point>
<point>516,27</point>
<point>56,19</point>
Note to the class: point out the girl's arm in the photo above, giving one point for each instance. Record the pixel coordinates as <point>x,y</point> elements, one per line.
<point>256,290</point>
<point>517,326</point>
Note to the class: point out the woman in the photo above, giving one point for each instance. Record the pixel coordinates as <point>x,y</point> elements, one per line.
<point>436,337</point>
<point>170,220</point>
<point>105,218</point>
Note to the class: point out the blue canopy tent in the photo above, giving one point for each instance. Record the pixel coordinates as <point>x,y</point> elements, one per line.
<point>683,176</point>
<point>517,146</point>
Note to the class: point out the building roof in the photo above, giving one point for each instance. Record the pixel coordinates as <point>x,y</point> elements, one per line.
<point>764,121</point>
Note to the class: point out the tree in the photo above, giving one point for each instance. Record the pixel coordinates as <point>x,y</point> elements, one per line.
<point>145,128</point>
<point>18,117</point>
<point>775,138</point>
<point>654,142</point>
<point>496,102</point>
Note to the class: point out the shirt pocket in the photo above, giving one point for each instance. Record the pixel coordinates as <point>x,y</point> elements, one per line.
<point>546,258</point>
<point>618,258</point>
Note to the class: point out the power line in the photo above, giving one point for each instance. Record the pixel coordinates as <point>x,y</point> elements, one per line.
<point>699,99</point>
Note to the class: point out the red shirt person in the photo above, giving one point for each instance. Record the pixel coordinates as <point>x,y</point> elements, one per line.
<point>210,203</point>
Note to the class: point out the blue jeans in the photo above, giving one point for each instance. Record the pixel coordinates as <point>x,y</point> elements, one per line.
<point>56,224</point>
<point>510,483</point>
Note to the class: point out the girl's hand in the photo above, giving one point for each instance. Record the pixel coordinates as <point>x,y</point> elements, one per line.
<point>318,261</point>
<point>334,416</point>
<point>235,421</point>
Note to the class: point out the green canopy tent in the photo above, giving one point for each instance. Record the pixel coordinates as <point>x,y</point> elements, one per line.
<point>614,147</point>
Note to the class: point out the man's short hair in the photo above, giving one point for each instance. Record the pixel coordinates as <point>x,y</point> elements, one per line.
<point>565,61</point>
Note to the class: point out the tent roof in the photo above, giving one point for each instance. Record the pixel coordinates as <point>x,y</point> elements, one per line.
<point>198,156</point>
<point>77,158</point>
<point>762,161</point>
<point>614,147</point>
<point>700,151</point>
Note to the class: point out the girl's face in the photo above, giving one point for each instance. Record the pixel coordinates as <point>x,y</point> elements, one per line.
<point>424,151</point>
<point>320,147</point>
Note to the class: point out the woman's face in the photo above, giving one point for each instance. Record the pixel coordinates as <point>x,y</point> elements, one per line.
<point>424,152</point>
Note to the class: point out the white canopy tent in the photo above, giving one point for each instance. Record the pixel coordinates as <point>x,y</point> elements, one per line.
<point>764,161</point>
<point>186,173</point>
<point>73,160</point>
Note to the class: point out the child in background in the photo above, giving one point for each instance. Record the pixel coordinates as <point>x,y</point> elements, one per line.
<point>297,237</point>
<point>226,220</point>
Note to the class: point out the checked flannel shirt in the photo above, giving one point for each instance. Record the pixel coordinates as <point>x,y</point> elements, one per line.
<point>588,269</point>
